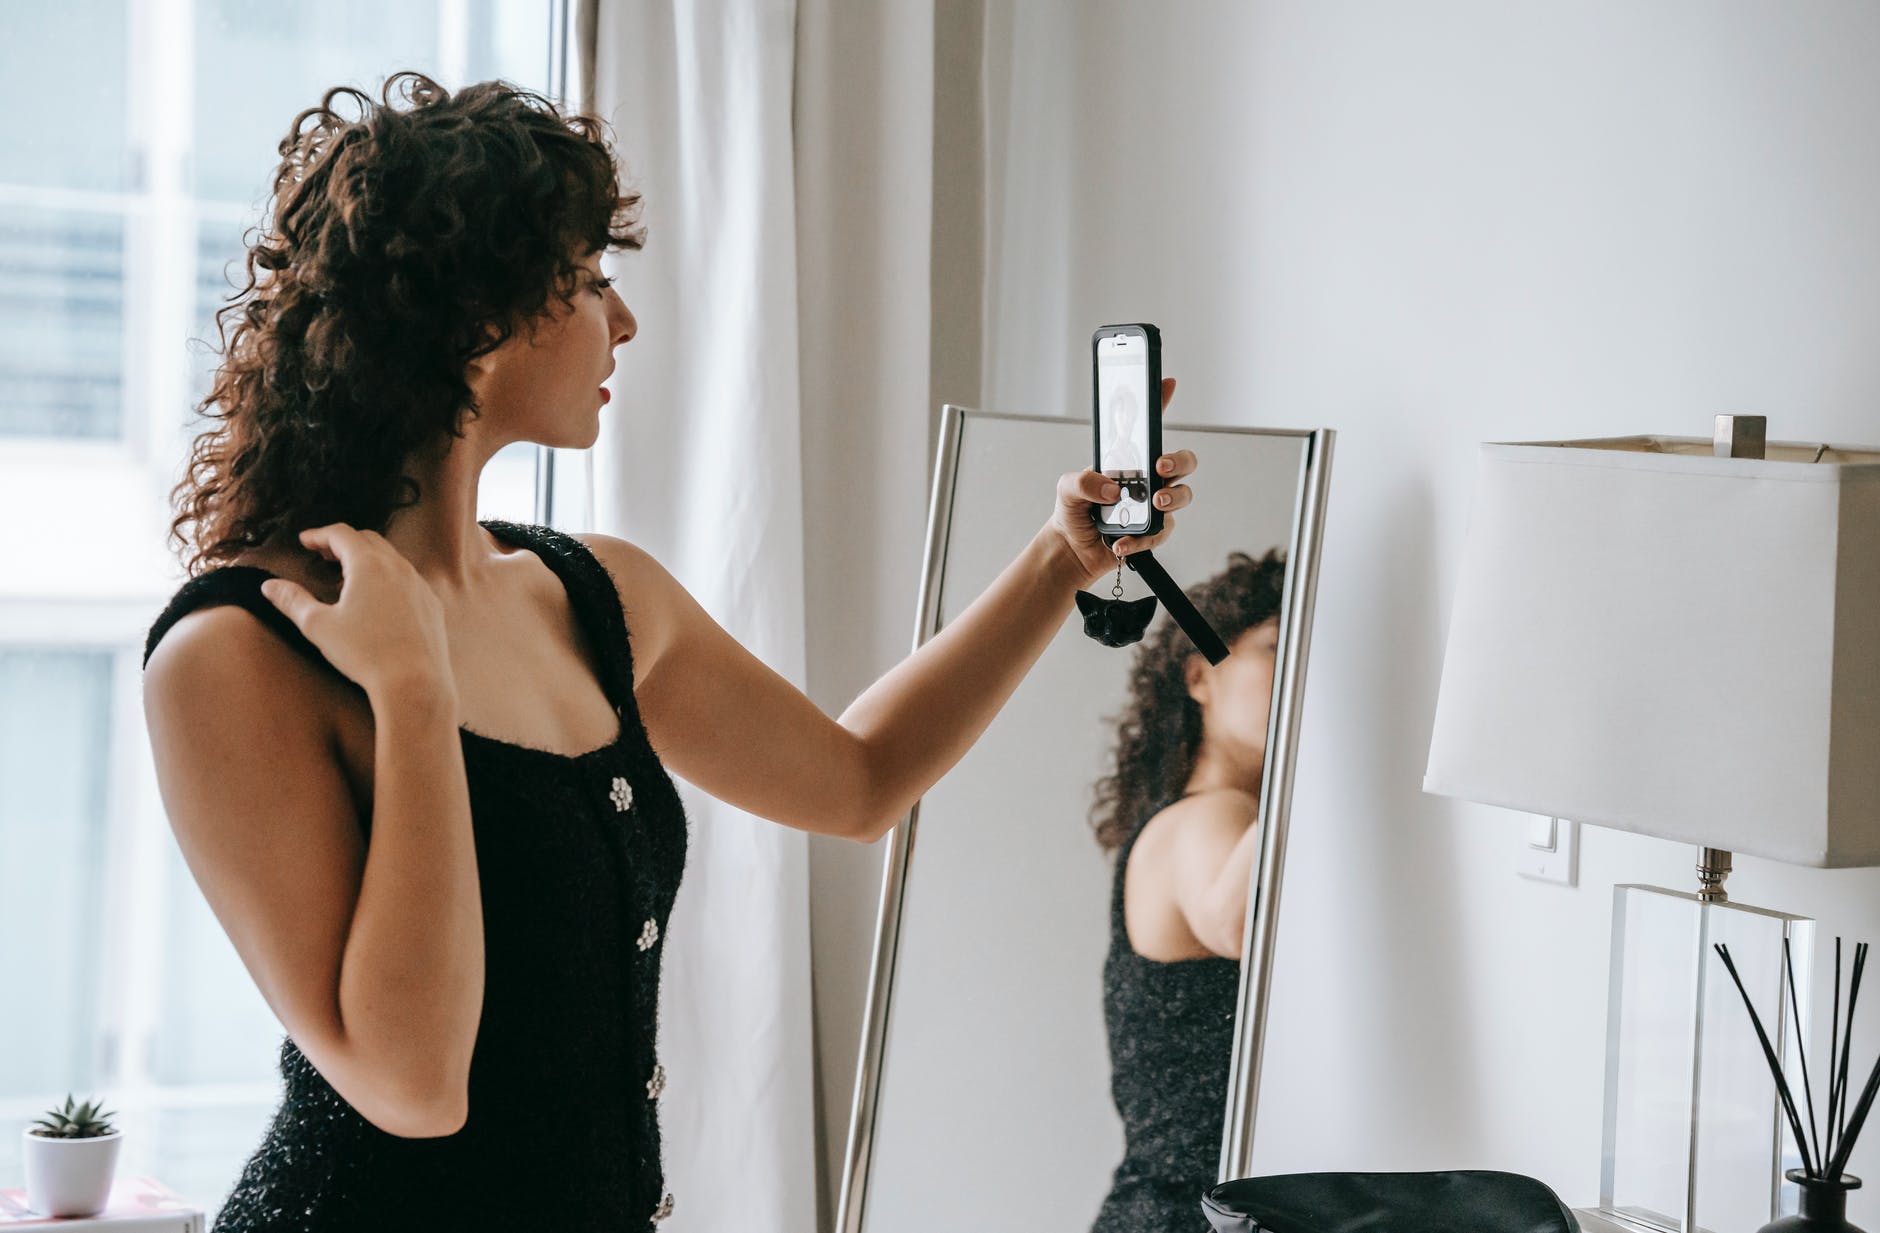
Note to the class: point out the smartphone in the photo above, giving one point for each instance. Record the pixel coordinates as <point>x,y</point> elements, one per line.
<point>1126,416</point>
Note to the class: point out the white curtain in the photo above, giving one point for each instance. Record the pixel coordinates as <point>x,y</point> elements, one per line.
<point>699,463</point>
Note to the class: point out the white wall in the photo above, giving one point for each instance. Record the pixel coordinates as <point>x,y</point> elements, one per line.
<point>1424,226</point>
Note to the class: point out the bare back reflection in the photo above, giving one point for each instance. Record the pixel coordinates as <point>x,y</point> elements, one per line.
<point>1179,811</point>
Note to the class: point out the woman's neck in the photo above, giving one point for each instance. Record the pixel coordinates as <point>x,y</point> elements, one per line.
<point>1218,765</point>
<point>439,535</point>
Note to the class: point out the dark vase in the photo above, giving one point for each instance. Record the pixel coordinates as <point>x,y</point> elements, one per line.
<point>1823,1205</point>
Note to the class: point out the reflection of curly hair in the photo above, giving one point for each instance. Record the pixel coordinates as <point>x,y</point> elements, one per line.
<point>1159,733</point>
<point>399,245</point>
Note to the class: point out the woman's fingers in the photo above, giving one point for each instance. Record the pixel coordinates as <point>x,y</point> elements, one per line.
<point>343,536</point>
<point>1095,487</point>
<point>336,541</point>
<point>350,547</point>
<point>386,628</point>
<point>1174,497</point>
<point>1077,491</point>
<point>1175,466</point>
<point>1168,391</point>
<point>1091,486</point>
<point>1135,543</point>
<point>293,601</point>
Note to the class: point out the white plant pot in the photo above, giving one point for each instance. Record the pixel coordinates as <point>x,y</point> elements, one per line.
<point>70,1177</point>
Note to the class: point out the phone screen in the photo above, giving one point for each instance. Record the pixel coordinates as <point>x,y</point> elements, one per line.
<point>1123,426</point>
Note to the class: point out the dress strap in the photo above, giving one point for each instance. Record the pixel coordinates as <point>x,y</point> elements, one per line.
<point>591,591</point>
<point>230,584</point>
<point>594,595</point>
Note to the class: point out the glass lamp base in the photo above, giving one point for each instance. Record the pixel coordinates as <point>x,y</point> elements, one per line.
<point>1694,1138</point>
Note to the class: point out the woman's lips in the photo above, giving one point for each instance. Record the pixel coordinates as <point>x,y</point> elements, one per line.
<point>605,396</point>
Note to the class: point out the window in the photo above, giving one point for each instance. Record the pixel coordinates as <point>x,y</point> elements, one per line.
<point>141,138</point>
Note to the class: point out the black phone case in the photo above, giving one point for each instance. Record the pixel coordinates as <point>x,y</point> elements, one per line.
<point>1154,338</point>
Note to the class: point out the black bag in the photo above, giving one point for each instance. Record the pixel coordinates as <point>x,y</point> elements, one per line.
<point>1465,1201</point>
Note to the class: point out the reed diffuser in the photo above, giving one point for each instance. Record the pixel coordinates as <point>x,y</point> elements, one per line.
<point>1823,1178</point>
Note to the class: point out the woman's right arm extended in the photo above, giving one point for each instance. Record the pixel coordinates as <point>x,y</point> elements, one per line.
<point>371,955</point>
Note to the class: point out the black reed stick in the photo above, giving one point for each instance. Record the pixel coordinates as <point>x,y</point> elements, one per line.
<point>1775,1064</point>
<point>1851,1129</point>
<point>1801,1048</point>
<point>1834,1035</point>
<point>1860,1116</point>
<point>1847,1041</point>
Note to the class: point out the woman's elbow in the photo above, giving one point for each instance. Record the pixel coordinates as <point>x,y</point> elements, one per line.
<point>423,1115</point>
<point>407,1104</point>
<point>1223,929</point>
<point>868,826</point>
<point>874,809</point>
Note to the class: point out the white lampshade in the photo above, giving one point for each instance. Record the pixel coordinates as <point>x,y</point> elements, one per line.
<point>1649,637</point>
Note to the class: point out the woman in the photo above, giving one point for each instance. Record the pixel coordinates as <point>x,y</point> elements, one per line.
<point>410,757</point>
<point>1179,814</point>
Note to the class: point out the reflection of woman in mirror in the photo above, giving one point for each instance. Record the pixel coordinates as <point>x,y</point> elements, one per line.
<point>1122,452</point>
<point>1179,814</point>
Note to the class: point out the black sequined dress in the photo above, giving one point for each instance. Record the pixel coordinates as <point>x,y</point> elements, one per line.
<point>1171,1028</point>
<point>579,859</point>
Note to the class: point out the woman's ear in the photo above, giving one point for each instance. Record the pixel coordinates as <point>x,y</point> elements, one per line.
<point>1196,676</point>
<point>478,370</point>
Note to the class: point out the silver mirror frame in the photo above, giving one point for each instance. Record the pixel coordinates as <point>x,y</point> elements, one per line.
<point>1282,733</point>
<point>1275,794</point>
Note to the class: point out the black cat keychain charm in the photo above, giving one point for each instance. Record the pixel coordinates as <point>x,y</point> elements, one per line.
<point>1116,621</point>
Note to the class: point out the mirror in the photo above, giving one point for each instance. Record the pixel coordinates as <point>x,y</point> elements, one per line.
<point>1007,971</point>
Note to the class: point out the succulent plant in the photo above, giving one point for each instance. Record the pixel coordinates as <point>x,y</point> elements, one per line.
<point>86,1121</point>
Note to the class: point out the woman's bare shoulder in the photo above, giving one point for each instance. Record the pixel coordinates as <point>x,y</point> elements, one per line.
<point>1207,814</point>
<point>221,685</point>
<point>1230,803</point>
<point>653,600</point>
<point>225,652</point>
<point>222,655</point>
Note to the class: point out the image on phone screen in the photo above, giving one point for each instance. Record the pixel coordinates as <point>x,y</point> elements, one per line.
<point>1123,426</point>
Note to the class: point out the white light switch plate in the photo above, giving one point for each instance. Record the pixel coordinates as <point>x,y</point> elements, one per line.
<point>1550,851</point>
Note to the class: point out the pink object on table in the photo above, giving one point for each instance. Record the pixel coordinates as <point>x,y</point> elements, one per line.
<point>137,1205</point>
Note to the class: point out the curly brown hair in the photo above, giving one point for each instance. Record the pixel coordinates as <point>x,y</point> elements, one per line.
<point>1158,735</point>
<point>398,245</point>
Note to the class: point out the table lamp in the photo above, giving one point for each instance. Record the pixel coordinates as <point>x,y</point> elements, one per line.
<point>1678,637</point>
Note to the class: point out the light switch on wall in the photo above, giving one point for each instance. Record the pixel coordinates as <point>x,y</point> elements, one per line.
<point>1552,851</point>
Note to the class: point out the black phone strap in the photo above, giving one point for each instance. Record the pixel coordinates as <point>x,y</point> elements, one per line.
<point>1192,622</point>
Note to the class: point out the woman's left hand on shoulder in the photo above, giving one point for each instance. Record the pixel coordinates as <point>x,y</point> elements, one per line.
<point>1079,492</point>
